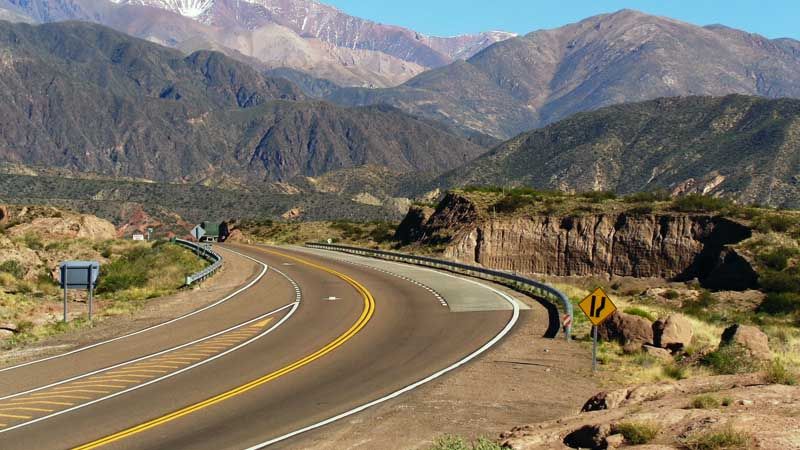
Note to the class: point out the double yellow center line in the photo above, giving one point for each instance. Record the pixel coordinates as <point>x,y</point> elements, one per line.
<point>363,319</point>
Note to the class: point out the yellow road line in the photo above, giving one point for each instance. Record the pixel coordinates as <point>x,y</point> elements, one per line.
<point>77,397</point>
<point>364,318</point>
<point>24,408</point>
<point>134,372</point>
<point>69,390</point>
<point>12,416</point>
<point>94,383</point>
<point>153,366</point>
<point>38,402</point>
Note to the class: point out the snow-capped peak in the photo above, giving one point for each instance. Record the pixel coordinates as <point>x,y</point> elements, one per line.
<point>188,8</point>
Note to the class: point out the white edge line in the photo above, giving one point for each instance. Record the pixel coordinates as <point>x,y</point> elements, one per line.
<point>150,356</point>
<point>470,357</point>
<point>294,307</point>
<point>125,336</point>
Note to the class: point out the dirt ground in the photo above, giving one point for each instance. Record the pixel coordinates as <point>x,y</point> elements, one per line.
<point>524,379</point>
<point>234,273</point>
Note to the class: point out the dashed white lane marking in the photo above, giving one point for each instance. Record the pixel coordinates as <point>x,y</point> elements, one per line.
<point>433,292</point>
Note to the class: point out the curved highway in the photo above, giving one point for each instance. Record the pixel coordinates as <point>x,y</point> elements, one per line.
<point>309,339</point>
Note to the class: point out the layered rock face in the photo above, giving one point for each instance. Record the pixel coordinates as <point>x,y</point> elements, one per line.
<point>673,246</point>
<point>614,244</point>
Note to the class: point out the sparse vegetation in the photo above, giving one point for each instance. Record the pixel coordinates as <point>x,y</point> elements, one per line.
<point>637,433</point>
<point>705,401</point>
<point>726,438</point>
<point>695,203</point>
<point>636,311</point>
<point>778,373</point>
<point>449,442</point>
<point>730,359</point>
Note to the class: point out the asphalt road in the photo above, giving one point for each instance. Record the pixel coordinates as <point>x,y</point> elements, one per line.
<point>313,338</point>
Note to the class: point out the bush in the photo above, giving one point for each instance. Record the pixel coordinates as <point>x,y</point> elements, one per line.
<point>13,267</point>
<point>675,372</point>
<point>774,281</point>
<point>634,311</point>
<point>456,443</point>
<point>725,438</point>
<point>637,433</point>
<point>671,294</point>
<point>775,222</point>
<point>780,303</point>
<point>777,373</point>
<point>700,203</point>
<point>730,360</point>
<point>778,259</point>
<point>647,197</point>
<point>511,203</point>
<point>705,402</point>
<point>598,196</point>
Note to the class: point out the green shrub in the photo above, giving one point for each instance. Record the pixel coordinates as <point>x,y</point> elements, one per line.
<point>671,294</point>
<point>775,281</point>
<point>675,371</point>
<point>647,197</point>
<point>726,401</point>
<point>722,439</point>
<point>13,267</point>
<point>456,443</point>
<point>33,241</point>
<point>705,402</point>
<point>598,196</point>
<point>700,203</point>
<point>780,303</point>
<point>778,223</point>
<point>778,259</point>
<point>777,373</point>
<point>730,359</point>
<point>634,311</point>
<point>641,210</point>
<point>637,433</point>
<point>511,203</point>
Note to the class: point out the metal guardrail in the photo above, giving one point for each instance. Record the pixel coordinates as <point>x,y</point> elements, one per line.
<point>544,291</point>
<point>214,257</point>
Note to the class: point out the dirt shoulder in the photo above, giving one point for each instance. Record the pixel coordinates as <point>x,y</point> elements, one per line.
<point>235,272</point>
<point>525,378</point>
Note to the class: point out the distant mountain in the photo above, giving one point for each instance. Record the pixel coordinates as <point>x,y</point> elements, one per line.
<point>86,98</point>
<point>527,82</point>
<point>303,35</point>
<point>743,147</point>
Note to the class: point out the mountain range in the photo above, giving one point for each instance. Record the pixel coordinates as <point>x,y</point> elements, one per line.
<point>742,147</point>
<point>530,81</point>
<point>304,35</point>
<point>89,99</point>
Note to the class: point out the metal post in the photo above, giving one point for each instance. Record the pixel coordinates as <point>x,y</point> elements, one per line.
<point>594,349</point>
<point>91,292</point>
<point>65,301</point>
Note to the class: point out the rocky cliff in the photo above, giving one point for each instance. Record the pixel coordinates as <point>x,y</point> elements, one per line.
<point>664,245</point>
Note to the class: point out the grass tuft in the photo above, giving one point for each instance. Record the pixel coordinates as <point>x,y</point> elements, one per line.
<point>778,373</point>
<point>637,433</point>
<point>722,439</point>
<point>705,401</point>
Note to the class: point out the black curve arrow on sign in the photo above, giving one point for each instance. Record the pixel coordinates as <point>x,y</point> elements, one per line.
<point>596,312</point>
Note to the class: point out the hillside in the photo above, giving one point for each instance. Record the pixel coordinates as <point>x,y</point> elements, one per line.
<point>530,81</point>
<point>745,148</point>
<point>298,34</point>
<point>159,115</point>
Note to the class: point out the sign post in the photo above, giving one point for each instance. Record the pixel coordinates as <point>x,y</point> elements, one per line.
<point>598,307</point>
<point>81,275</point>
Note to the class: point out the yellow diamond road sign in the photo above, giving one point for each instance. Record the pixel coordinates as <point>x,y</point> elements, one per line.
<point>597,306</point>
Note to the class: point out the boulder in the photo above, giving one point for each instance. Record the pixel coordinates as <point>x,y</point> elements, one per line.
<point>4,215</point>
<point>673,333</point>
<point>627,329</point>
<point>588,436</point>
<point>750,338</point>
<point>658,353</point>
<point>615,441</point>
<point>605,400</point>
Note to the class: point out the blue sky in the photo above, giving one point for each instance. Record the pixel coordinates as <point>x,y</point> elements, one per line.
<point>772,18</point>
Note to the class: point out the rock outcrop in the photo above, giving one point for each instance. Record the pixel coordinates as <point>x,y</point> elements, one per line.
<point>69,226</point>
<point>4,216</point>
<point>665,245</point>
